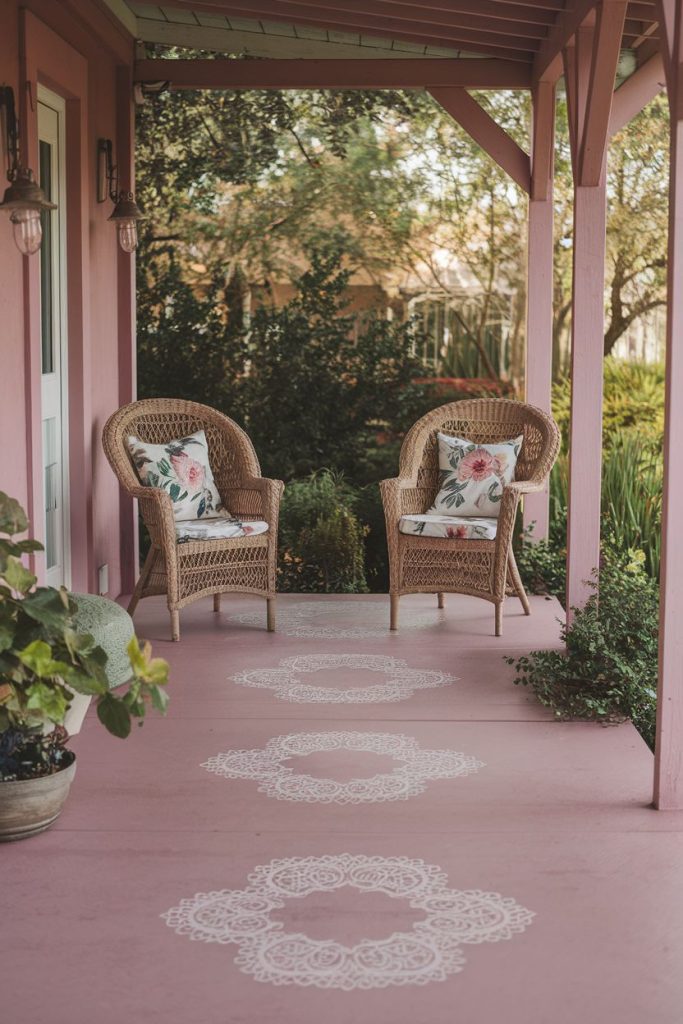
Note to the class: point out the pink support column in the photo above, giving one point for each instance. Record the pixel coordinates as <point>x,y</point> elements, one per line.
<point>125,148</point>
<point>585,435</point>
<point>668,781</point>
<point>590,71</point>
<point>539,324</point>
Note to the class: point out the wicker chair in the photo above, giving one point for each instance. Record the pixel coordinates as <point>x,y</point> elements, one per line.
<point>482,568</point>
<point>194,569</point>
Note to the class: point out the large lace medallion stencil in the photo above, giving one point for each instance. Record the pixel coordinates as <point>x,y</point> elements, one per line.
<point>352,620</point>
<point>430,950</point>
<point>415,767</point>
<point>291,681</point>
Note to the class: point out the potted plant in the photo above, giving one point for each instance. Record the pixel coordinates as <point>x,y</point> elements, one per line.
<point>44,664</point>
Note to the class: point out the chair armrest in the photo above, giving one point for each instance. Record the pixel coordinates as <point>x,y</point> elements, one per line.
<point>520,487</point>
<point>507,515</point>
<point>157,512</point>
<point>257,496</point>
<point>401,497</point>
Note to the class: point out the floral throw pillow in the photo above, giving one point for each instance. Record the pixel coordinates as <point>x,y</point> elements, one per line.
<point>182,469</point>
<point>473,476</point>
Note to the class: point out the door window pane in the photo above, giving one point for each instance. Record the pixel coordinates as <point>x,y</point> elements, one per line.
<point>46,272</point>
<point>51,492</point>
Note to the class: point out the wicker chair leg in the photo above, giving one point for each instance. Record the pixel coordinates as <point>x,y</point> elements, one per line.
<point>142,580</point>
<point>216,602</point>
<point>440,600</point>
<point>393,614</point>
<point>519,586</point>
<point>175,625</point>
<point>499,618</point>
<point>270,614</point>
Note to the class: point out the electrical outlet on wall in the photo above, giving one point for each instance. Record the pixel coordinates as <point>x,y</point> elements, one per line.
<point>103,580</point>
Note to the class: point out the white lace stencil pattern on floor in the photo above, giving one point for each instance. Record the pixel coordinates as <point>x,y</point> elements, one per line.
<point>287,682</point>
<point>267,767</point>
<point>429,951</point>
<point>358,620</point>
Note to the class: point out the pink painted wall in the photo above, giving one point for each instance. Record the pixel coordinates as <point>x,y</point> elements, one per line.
<point>78,51</point>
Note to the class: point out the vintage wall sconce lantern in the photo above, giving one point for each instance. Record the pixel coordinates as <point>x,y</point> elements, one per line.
<point>24,199</point>
<point>126,212</point>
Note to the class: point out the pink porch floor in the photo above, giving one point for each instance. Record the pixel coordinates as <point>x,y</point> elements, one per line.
<point>554,817</point>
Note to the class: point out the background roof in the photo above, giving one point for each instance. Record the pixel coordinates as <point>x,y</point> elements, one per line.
<point>528,31</point>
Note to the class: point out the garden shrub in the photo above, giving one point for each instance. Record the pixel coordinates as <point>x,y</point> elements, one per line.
<point>633,397</point>
<point>608,672</point>
<point>542,564</point>
<point>320,537</point>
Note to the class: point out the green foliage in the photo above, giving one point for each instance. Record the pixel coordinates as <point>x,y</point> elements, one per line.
<point>320,537</point>
<point>308,391</point>
<point>44,662</point>
<point>632,475</point>
<point>633,398</point>
<point>316,395</point>
<point>609,670</point>
<point>543,564</point>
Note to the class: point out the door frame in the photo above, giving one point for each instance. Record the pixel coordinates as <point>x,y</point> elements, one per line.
<point>53,101</point>
<point>47,59</point>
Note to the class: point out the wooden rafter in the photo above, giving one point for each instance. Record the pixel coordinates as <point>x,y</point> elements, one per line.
<point>666,10</point>
<point>604,60</point>
<point>493,139</point>
<point>590,63</point>
<point>630,98</point>
<point>411,73</point>
<point>548,60</point>
<point>542,140</point>
<point>489,43</point>
<point>402,14</point>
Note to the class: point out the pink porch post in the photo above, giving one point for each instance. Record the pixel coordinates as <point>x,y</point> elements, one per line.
<point>125,146</point>
<point>590,71</point>
<point>668,782</point>
<point>539,329</point>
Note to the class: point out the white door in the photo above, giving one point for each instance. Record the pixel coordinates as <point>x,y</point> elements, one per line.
<point>53,332</point>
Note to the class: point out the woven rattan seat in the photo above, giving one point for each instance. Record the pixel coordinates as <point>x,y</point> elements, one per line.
<point>187,571</point>
<point>482,568</point>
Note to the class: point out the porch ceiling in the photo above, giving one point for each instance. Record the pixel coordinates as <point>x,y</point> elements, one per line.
<point>530,32</point>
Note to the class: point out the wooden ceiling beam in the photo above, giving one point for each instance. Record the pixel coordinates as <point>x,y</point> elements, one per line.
<point>548,61</point>
<point>542,12</point>
<point>493,139</point>
<point>436,13</point>
<point>417,17</point>
<point>462,39</point>
<point>636,92</point>
<point>605,58</point>
<point>411,73</point>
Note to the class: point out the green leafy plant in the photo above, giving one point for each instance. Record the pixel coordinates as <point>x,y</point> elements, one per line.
<point>543,563</point>
<point>608,672</point>
<point>321,539</point>
<point>45,661</point>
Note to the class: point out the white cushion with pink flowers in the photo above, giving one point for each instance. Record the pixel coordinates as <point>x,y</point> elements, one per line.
<point>181,468</point>
<point>473,476</point>
<point>450,527</point>
<point>223,527</point>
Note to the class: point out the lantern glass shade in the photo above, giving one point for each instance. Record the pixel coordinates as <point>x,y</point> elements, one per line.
<point>28,231</point>
<point>128,234</point>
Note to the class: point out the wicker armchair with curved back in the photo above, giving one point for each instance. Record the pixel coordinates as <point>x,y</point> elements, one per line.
<point>481,568</point>
<point>187,571</point>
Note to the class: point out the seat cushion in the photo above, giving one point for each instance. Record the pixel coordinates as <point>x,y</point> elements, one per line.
<point>450,527</point>
<point>473,476</point>
<point>181,468</point>
<point>223,527</point>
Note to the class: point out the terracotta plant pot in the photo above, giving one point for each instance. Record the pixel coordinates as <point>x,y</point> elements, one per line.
<point>29,806</point>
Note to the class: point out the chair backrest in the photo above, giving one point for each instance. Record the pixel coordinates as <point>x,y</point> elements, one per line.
<point>484,421</point>
<point>159,420</point>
